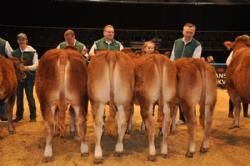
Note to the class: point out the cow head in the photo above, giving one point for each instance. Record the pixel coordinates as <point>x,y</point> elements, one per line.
<point>130,53</point>
<point>19,67</point>
<point>244,39</point>
<point>240,41</point>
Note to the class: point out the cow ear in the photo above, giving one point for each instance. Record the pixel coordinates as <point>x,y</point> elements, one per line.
<point>228,44</point>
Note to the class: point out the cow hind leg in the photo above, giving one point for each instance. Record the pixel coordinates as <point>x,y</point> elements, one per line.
<point>160,118</point>
<point>237,107</point>
<point>9,111</point>
<point>149,123</point>
<point>165,129</point>
<point>81,129</point>
<point>191,125</point>
<point>237,110</point>
<point>50,125</point>
<point>130,119</point>
<point>110,123</point>
<point>207,128</point>
<point>143,126</point>
<point>98,110</point>
<point>173,118</point>
<point>72,130</point>
<point>122,126</point>
<point>202,115</point>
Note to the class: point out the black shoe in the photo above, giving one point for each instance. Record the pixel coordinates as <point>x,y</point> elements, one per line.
<point>3,118</point>
<point>17,119</point>
<point>246,115</point>
<point>33,120</point>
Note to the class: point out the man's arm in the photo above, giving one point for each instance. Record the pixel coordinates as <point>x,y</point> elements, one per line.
<point>35,63</point>
<point>58,46</point>
<point>8,49</point>
<point>84,51</point>
<point>229,58</point>
<point>121,47</point>
<point>92,50</point>
<point>197,52</point>
<point>172,57</point>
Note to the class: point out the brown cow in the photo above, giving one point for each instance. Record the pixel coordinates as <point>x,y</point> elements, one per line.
<point>61,82</point>
<point>196,84</point>
<point>10,71</point>
<point>237,74</point>
<point>111,79</point>
<point>138,59</point>
<point>156,82</point>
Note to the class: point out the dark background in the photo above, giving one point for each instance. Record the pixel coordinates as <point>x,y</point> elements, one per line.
<point>228,16</point>
<point>215,20</point>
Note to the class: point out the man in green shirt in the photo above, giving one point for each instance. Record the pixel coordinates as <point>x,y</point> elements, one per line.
<point>188,47</point>
<point>70,40</point>
<point>29,56</point>
<point>107,42</point>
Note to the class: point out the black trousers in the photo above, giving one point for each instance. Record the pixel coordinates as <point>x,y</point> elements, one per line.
<point>182,117</point>
<point>28,86</point>
<point>2,109</point>
<point>231,107</point>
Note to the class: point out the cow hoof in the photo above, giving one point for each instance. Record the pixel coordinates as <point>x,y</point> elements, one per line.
<point>234,126</point>
<point>143,132</point>
<point>172,132</point>
<point>98,160</point>
<point>12,132</point>
<point>152,158</point>
<point>72,134</point>
<point>118,154</point>
<point>128,132</point>
<point>230,115</point>
<point>84,155</point>
<point>189,154</point>
<point>47,159</point>
<point>203,150</point>
<point>164,156</point>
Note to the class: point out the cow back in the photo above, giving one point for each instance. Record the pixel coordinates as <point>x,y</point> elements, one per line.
<point>196,80</point>
<point>111,73</point>
<point>62,74</point>
<point>155,76</point>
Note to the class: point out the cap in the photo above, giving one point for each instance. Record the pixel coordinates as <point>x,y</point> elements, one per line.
<point>22,35</point>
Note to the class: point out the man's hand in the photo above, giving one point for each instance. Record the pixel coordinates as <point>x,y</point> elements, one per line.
<point>84,51</point>
<point>24,68</point>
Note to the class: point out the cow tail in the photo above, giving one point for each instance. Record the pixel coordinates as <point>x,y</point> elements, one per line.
<point>161,73</point>
<point>111,126</point>
<point>203,96</point>
<point>62,107</point>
